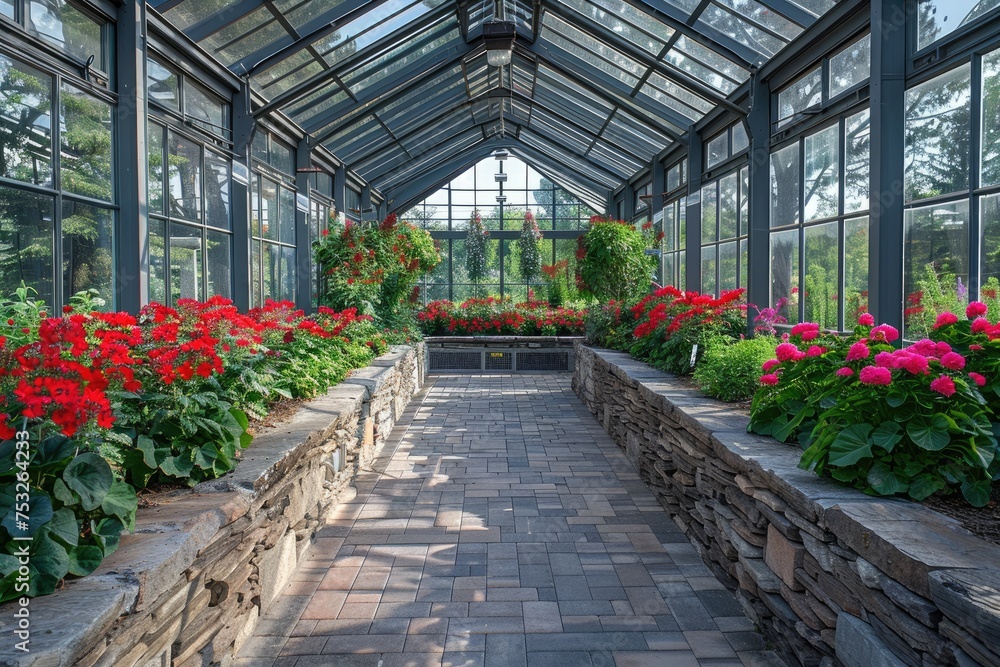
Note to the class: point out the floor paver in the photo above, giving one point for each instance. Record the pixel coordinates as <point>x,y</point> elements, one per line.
<point>500,526</point>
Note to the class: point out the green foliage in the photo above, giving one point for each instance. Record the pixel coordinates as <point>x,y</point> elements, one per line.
<point>77,511</point>
<point>529,245</point>
<point>610,325</point>
<point>477,261</point>
<point>936,292</point>
<point>730,370</point>
<point>615,265</point>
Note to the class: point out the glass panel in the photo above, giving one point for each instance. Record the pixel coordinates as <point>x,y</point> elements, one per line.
<point>937,135</point>
<point>707,65</point>
<point>744,201</point>
<point>744,265</point>
<point>785,274</point>
<point>937,18</point>
<point>785,190</point>
<point>281,157</point>
<point>822,173</point>
<point>857,161</point>
<point>88,250</point>
<point>740,140</point>
<point>7,8</point>
<point>990,174</point>
<point>611,17</point>
<point>718,149</point>
<point>709,213</point>
<point>256,275</point>
<point>591,51</point>
<point>258,148</point>
<point>217,173</point>
<point>730,24</point>
<point>154,151</point>
<point>708,280</point>
<point>286,212</point>
<point>728,208</point>
<point>64,25</point>
<point>681,270</point>
<point>990,217</point>
<point>245,36</point>
<point>822,279</point>
<point>219,264</point>
<point>157,262</point>
<point>799,96</point>
<point>25,123</point>
<point>674,178</point>
<point>183,177</point>
<point>851,66</point>
<point>268,209</point>
<point>935,263</point>
<point>855,270</point>
<point>162,85</point>
<point>728,253</point>
<point>26,240</point>
<point>85,144</point>
<point>185,262</point>
<point>271,272</point>
<point>204,109</point>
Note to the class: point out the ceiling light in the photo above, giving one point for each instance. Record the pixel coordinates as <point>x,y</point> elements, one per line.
<point>499,38</point>
<point>501,154</point>
<point>501,199</point>
<point>500,178</point>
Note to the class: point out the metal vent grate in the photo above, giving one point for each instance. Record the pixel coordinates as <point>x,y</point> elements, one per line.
<point>450,360</point>
<point>499,361</point>
<point>542,361</point>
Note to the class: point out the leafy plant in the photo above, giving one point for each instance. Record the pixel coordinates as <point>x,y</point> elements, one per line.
<point>499,317</point>
<point>730,370</point>
<point>476,250</point>
<point>615,264</point>
<point>529,244</point>
<point>610,325</point>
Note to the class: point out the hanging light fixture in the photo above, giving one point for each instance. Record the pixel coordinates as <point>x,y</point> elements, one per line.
<point>499,38</point>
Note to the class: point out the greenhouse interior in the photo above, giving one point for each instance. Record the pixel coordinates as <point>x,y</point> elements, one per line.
<point>579,333</point>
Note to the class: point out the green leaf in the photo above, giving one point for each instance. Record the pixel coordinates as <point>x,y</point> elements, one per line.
<point>63,494</point>
<point>64,527</point>
<point>977,491</point>
<point>121,502</point>
<point>150,455</point>
<point>851,445</point>
<point>90,476</point>
<point>49,564</point>
<point>930,436</point>
<point>53,450</point>
<point>887,435</point>
<point>178,467</point>
<point>107,533</point>
<point>895,398</point>
<point>884,481</point>
<point>846,475</point>
<point>84,559</point>
<point>39,514</point>
<point>925,485</point>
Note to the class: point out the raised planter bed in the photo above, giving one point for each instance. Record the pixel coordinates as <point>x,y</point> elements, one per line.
<point>513,354</point>
<point>188,587</point>
<point>829,574</point>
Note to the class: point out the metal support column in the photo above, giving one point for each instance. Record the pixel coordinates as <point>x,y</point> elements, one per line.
<point>696,159</point>
<point>656,210</point>
<point>758,249</point>
<point>131,166</point>
<point>303,247</point>
<point>340,189</point>
<point>888,88</point>
<point>244,128</point>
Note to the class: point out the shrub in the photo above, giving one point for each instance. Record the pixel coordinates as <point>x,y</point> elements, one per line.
<point>477,247</point>
<point>730,371</point>
<point>610,325</point>
<point>614,263</point>
<point>529,245</point>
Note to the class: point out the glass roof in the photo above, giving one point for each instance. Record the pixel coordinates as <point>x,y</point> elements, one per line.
<point>402,92</point>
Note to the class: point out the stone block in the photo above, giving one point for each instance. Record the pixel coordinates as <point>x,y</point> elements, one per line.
<point>859,646</point>
<point>783,556</point>
<point>971,599</point>
<point>276,567</point>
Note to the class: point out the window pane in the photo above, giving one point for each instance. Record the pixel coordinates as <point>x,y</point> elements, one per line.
<point>709,213</point>
<point>219,264</point>
<point>154,152</point>
<point>708,283</point>
<point>162,85</point>
<point>718,149</point>
<point>7,8</point>
<point>991,119</point>
<point>185,262</point>
<point>785,189</point>
<point>937,136</point>
<point>217,173</point>
<point>268,209</point>
<point>822,280</point>
<point>937,18</point>
<point>822,192</point>
<point>204,109</point>
<point>64,25</point>
<point>855,270</point>
<point>801,95</point>
<point>85,144</point>
<point>88,250</point>
<point>785,274</point>
<point>281,158</point>
<point>184,177</point>
<point>255,274</point>
<point>857,160</point>
<point>744,201</point>
<point>728,207</point>
<point>26,235</point>
<point>990,215</point>
<point>740,140</point>
<point>935,263</point>
<point>727,266</point>
<point>25,123</point>
<point>851,66</point>
<point>286,211</point>
<point>157,262</point>
<point>744,267</point>
<point>288,274</point>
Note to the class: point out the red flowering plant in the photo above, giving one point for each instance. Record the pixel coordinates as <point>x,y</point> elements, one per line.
<point>885,420</point>
<point>492,316</point>
<point>673,327</point>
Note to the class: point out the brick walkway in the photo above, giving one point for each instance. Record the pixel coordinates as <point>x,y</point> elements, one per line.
<point>503,528</point>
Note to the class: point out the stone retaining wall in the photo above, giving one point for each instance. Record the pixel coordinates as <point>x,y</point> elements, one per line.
<point>188,587</point>
<point>830,575</point>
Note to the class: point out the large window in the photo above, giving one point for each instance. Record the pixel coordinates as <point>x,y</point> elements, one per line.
<point>272,220</point>
<point>724,226</point>
<point>190,174</point>
<point>938,18</point>
<point>57,201</point>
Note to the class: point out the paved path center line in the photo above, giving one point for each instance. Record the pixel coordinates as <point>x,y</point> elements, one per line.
<point>500,526</point>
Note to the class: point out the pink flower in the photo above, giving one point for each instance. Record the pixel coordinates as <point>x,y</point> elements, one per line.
<point>975,347</point>
<point>885,332</point>
<point>978,379</point>
<point>770,379</point>
<point>858,351</point>
<point>866,319</point>
<point>915,364</point>
<point>807,331</point>
<point>942,348</point>
<point>980,325</point>
<point>885,360</point>
<point>816,351</point>
<point>925,346</point>
<point>944,319</point>
<point>769,364</point>
<point>875,375</point>
<point>953,361</point>
<point>943,385</point>
<point>975,309</point>
<point>845,372</point>
<point>786,352</point>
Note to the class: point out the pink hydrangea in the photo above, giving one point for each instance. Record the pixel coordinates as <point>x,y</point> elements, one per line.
<point>845,371</point>
<point>866,319</point>
<point>786,352</point>
<point>953,361</point>
<point>978,379</point>
<point>975,309</point>
<point>875,375</point>
<point>945,319</point>
<point>858,351</point>
<point>769,364</point>
<point>943,385</point>
<point>769,379</point>
<point>884,332</point>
